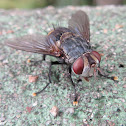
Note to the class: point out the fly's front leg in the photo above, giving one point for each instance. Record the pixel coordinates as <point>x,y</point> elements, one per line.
<point>114,78</point>
<point>70,76</point>
<point>50,67</point>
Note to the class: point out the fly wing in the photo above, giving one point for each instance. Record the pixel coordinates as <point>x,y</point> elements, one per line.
<point>35,43</point>
<point>79,22</point>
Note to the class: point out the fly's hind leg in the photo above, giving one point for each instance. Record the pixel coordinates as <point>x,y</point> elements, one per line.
<point>38,61</point>
<point>50,67</point>
<point>44,57</point>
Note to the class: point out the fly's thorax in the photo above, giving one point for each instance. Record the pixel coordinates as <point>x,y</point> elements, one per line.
<point>73,46</point>
<point>66,35</point>
<point>87,64</point>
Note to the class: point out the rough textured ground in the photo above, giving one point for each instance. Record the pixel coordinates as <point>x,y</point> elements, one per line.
<point>102,102</point>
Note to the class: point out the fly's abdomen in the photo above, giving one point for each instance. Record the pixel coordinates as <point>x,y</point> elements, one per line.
<point>73,47</point>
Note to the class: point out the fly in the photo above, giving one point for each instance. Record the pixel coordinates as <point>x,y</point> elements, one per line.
<point>71,46</point>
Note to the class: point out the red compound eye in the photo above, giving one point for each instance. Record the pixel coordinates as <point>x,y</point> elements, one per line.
<point>78,66</point>
<point>97,55</point>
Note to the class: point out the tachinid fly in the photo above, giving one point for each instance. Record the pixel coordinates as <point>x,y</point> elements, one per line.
<point>70,45</point>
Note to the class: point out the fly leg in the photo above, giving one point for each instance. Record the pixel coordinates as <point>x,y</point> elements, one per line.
<point>43,57</point>
<point>114,78</point>
<point>39,61</point>
<point>70,76</point>
<point>50,67</point>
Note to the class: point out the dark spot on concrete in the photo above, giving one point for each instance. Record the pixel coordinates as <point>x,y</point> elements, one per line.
<point>121,65</point>
<point>36,113</point>
<point>118,110</point>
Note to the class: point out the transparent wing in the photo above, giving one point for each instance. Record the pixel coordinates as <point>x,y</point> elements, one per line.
<point>35,43</point>
<point>79,22</point>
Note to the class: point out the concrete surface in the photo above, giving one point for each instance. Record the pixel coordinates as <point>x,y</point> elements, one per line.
<point>102,102</point>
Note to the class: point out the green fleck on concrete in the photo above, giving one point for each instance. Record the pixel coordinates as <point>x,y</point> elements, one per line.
<point>101,102</point>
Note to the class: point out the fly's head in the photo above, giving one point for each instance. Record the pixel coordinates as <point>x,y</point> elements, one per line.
<point>87,64</point>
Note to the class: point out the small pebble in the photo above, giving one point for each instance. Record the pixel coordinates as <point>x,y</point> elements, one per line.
<point>18,116</point>
<point>117,26</point>
<point>115,92</point>
<point>35,103</point>
<point>70,110</point>
<point>105,31</point>
<point>33,78</point>
<point>28,109</point>
<point>54,111</point>
<point>124,86</point>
